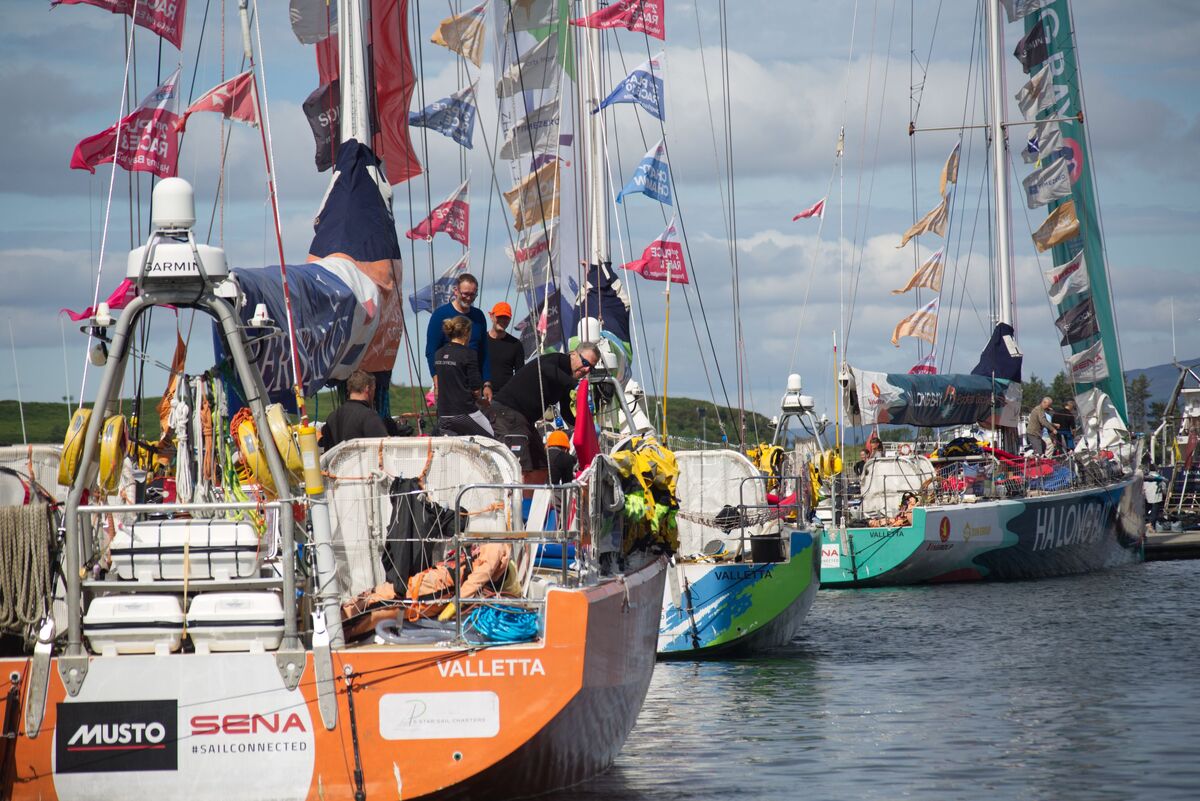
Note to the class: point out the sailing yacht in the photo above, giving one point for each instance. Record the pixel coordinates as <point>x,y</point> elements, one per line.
<point>984,511</point>
<point>192,640</point>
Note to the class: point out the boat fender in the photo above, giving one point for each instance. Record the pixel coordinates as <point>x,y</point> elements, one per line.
<point>114,441</point>
<point>285,438</point>
<point>68,463</point>
<point>389,631</point>
<point>252,456</point>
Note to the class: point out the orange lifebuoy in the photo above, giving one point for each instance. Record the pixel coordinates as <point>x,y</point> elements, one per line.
<point>905,449</point>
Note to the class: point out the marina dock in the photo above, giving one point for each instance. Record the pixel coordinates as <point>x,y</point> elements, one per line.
<point>1163,545</point>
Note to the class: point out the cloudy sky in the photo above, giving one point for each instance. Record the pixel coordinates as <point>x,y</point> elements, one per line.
<point>797,72</point>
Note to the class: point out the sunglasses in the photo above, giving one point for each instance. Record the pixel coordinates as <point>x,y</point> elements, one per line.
<point>588,365</point>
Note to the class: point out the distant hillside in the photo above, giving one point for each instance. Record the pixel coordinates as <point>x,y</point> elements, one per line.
<point>1162,378</point>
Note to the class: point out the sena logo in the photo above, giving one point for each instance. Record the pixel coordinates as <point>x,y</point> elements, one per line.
<point>246,724</point>
<point>113,736</point>
<point>944,529</point>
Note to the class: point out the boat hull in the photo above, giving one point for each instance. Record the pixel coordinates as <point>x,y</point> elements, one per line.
<point>1036,537</point>
<point>430,721</point>
<point>739,608</point>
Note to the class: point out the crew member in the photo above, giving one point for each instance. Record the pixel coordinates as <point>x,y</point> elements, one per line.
<point>1039,421</point>
<point>355,418</point>
<point>505,352</point>
<point>459,382</point>
<point>466,287</point>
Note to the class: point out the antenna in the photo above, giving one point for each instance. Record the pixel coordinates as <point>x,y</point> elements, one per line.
<point>17,377</point>
<point>1174,355</point>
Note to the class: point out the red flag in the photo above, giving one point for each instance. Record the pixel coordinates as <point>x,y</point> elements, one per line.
<point>587,444</point>
<point>164,18</point>
<point>120,297</point>
<point>149,141</point>
<point>927,366</point>
<point>452,217</point>
<point>815,210</point>
<point>234,99</point>
<point>663,257</point>
<point>394,84</point>
<point>639,16</point>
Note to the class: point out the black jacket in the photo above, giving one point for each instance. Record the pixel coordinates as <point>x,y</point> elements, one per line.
<point>352,420</point>
<point>529,394</point>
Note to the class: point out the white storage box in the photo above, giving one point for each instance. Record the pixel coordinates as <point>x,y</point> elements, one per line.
<point>134,624</point>
<point>235,621</point>
<point>203,549</point>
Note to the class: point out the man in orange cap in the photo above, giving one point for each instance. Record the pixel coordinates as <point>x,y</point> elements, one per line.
<point>505,352</point>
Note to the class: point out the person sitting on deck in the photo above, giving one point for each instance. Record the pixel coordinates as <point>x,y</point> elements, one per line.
<point>432,590</point>
<point>908,502</point>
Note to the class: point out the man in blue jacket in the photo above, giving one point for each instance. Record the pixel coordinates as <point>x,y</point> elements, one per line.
<point>465,290</point>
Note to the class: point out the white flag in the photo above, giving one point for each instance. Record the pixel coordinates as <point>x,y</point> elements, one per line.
<point>1021,8</point>
<point>1089,366</point>
<point>537,132</point>
<point>1037,95</point>
<point>1067,280</point>
<point>537,69</point>
<point>1045,140</point>
<point>533,256</point>
<point>1048,184</point>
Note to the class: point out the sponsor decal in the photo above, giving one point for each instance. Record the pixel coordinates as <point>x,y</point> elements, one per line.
<point>1072,524</point>
<point>938,546</point>
<point>944,529</point>
<point>114,736</point>
<point>438,716</point>
<point>971,532</point>
<point>246,733</point>
<point>744,573</point>
<point>490,668</point>
<point>831,556</point>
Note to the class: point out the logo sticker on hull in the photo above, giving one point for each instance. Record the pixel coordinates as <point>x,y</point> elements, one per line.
<point>116,736</point>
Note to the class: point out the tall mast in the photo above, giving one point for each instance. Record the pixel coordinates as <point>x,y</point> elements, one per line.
<point>595,171</point>
<point>353,82</point>
<point>996,130</point>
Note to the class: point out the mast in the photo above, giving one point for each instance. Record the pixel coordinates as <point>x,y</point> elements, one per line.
<point>354,80</point>
<point>1005,312</point>
<point>598,253</point>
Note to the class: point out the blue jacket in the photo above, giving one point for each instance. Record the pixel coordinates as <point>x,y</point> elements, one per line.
<point>434,338</point>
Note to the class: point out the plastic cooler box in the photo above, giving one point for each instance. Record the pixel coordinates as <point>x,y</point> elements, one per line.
<point>235,621</point>
<point>149,550</point>
<point>134,624</point>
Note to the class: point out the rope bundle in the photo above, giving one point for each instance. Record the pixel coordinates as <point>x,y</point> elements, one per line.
<point>25,539</point>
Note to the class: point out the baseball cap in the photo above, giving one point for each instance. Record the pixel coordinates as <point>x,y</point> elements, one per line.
<point>502,309</point>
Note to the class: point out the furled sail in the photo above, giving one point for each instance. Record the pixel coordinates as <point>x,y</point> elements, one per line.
<point>935,401</point>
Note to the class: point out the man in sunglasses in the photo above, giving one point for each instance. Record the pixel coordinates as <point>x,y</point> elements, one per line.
<point>466,287</point>
<point>543,382</point>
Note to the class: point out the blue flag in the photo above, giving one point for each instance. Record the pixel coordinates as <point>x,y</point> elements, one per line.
<point>437,294</point>
<point>643,86</point>
<point>452,116</point>
<point>652,176</point>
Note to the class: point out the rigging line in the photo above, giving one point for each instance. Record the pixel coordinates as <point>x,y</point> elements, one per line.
<point>964,290</point>
<point>812,267</point>
<point>130,94</point>
<point>111,184</point>
<point>708,102</point>
<point>412,246</point>
<point>929,55</point>
<point>425,180</point>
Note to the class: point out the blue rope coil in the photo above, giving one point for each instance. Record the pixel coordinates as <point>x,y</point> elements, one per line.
<point>503,623</point>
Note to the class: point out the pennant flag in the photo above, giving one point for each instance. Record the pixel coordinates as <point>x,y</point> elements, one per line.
<point>815,210</point>
<point>537,69</point>
<point>950,170</point>
<point>452,116</point>
<point>643,86</point>
<point>652,176</point>
<point>536,132</point>
<point>1037,95</point>
<point>535,199</point>
<point>438,294</point>
<point>453,217</point>
<point>1088,366</point>
<point>164,19</point>
<point>1061,225</point>
<point>639,16</point>
<point>119,299</point>
<point>1045,140</point>
<point>662,260</point>
<point>526,15</point>
<point>1034,47</point>
<point>1067,280</point>
<point>313,21</point>
<point>1020,8</point>
<point>932,223</point>
<point>921,324</point>
<point>322,108</point>
<point>149,141</point>
<point>928,275</point>
<point>234,99</point>
<point>1048,184</point>
<point>533,256</point>
<point>1078,323</point>
<point>463,34</point>
<point>927,366</point>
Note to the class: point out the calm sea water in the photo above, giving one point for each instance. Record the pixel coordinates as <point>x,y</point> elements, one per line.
<point>1074,688</point>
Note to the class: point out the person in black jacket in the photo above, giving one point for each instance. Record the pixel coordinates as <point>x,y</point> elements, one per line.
<point>459,382</point>
<point>543,382</point>
<point>355,418</point>
<point>505,352</point>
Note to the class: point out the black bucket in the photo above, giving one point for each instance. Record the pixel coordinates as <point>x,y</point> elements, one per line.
<point>767,549</point>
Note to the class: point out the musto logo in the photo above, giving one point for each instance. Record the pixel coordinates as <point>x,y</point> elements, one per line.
<point>116,736</point>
